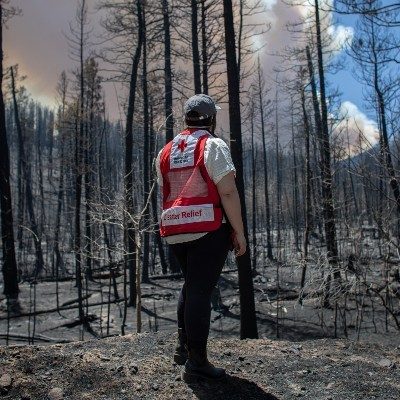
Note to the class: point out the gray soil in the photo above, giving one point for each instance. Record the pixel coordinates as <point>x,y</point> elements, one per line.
<point>140,366</point>
<point>159,302</point>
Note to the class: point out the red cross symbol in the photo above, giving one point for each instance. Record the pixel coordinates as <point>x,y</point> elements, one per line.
<point>182,146</point>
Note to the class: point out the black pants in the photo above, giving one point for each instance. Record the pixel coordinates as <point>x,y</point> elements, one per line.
<point>201,262</point>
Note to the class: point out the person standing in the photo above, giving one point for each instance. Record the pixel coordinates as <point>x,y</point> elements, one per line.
<point>201,221</point>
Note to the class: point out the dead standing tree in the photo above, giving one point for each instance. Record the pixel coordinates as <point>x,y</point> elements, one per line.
<point>326,179</point>
<point>169,122</point>
<point>265,169</point>
<point>124,25</point>
<point>308,212</point>
<point>248,322</point>
<point>146,149</point>
<point>327,191</point>
<point>26,169</point>
<point>10,273</point>
<point>57,262</point>
<point>78,41</point>
<point>195,47</point>
<point>129,231</point>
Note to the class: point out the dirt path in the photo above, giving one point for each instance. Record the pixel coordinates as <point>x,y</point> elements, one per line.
<point>140,367</point>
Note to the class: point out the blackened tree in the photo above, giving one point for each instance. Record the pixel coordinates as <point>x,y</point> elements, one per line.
<point>248,322</point>
<point>10,272</point>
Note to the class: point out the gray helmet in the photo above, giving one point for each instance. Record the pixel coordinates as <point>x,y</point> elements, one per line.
<point>199,107</point>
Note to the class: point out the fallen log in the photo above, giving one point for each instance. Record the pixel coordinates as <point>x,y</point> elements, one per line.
<point>119,274</point>
<point>37,337</point>
<point>69,302</point>
<point>55,309</point>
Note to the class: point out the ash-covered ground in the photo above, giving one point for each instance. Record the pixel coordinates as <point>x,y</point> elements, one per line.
<point>140,366</point>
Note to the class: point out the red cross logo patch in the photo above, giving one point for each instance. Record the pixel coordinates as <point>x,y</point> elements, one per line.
<point>182,146</point>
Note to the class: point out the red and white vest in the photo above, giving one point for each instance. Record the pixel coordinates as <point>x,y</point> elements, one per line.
<point>191,202</point>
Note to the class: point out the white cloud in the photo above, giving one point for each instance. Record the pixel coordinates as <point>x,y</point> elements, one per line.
<point>269,4</point>
<point>341,37</point>
<point>355,132</point>
<point>338,35</point>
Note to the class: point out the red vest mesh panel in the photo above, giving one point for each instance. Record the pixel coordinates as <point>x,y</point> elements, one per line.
<point>187,183</point>
<point>191,202</point>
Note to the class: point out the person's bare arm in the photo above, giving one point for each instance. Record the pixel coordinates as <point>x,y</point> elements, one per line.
<point>231,202</point>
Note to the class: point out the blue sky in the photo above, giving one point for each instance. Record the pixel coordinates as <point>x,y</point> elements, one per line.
<point>350,88</point>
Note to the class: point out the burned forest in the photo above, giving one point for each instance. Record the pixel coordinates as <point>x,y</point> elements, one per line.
<point>318,176</point>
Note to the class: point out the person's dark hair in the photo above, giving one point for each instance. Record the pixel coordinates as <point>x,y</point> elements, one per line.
<point>199,122</point>
<point>192,118</point>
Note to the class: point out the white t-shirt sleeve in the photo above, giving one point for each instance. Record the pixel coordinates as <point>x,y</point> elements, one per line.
<point>217,159</point>
<point>158,170</point>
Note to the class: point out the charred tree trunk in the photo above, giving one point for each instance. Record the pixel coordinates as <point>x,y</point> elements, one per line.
<point>58,263</point>
<point>169,119</point>
<point>10,272</point>
<point>154,208</point>
<point>146,150</point>
<point>28,182</point>
<point>295,188</point>
<point>39,147</point>
<point>266,180</point>
<point>308,214</point>
<point>326,182</point>
<point>129,231</point>
<point>78,172</point>
<point>174,267</point>
<point>88,168</point>
<point>195,49</point>
<point>51,145</point>
<point>278,182</point>
<point>103,155</point>
<point>248,322</point>
<point>253,194</point>
<point>21,207</point>
<point>327,192</point>
<point>204,55</point>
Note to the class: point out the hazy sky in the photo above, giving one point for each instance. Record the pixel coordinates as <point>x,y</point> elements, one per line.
<point>37,43</point>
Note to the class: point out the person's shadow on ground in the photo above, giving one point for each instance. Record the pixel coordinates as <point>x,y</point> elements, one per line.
<point>233,388</point>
